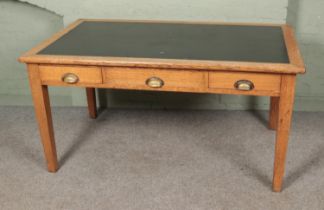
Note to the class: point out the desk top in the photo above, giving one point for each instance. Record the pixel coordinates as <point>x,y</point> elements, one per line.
<point>165,43</point>
<point>173,41</point>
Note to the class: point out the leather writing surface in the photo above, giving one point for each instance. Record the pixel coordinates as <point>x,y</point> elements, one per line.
<point>173,41</point>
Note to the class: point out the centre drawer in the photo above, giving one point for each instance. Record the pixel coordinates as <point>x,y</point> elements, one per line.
<point>155,79</point>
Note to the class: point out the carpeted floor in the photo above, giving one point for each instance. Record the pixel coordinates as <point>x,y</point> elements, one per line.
<point>152,160</point>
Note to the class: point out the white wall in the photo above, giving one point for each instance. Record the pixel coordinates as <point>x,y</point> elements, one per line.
<point>229,10</point>
<point>307,17</point>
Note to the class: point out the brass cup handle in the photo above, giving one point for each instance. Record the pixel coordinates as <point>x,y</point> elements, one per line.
<point>154,82</point>
<point>70,78</point>
<point>244,85</point>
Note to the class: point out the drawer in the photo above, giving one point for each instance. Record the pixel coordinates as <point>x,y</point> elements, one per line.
<point>155,79</point>
<point>245,83</point>
<point>70,75</point>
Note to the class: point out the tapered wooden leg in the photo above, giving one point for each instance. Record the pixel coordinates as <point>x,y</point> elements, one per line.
<point>92,105</point>
<point>44,117</point>
<point>273,113</point>
<point>286,102</point>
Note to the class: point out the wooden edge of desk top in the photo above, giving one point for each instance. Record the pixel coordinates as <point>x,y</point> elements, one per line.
<point>295,66</point>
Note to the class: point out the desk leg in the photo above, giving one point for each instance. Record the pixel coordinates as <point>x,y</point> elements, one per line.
<point>286,102</point>
<point>92,105</point>
<point>43,115</point>
<point>273,113</point>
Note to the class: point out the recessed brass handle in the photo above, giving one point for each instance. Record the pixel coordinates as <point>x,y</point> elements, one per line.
<point>154,82</point>
<point>70,78</point>
<point>244,85</point>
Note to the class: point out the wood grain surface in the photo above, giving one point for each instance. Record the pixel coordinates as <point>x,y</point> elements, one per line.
<point>43,116</point>
<point>286,103</point>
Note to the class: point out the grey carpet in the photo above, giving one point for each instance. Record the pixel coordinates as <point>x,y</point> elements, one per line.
<point>151,160</point>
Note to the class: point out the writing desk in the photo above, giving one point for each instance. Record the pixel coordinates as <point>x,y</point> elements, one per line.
<point>240,59</point>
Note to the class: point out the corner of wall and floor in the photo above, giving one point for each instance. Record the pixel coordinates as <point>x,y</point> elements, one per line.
<point>25,23</point>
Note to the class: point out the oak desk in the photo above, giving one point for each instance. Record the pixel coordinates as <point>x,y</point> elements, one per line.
<point>241,59</point>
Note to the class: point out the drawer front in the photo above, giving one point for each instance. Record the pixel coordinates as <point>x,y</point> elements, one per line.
<point>70,75</point>
<point>153,79</point>
<point>245,83</point>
